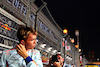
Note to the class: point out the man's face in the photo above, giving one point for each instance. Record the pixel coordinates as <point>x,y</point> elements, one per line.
<point>61,59</point>
<point>31,41</point>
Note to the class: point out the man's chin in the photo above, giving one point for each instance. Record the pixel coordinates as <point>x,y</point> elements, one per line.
<point>31,48</point>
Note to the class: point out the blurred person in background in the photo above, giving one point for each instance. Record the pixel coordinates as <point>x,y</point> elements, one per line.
<point>57,61</point>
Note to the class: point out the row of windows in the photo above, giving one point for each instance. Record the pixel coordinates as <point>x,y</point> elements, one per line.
<point>45,38</point>
<point>19,19</point>
<point>7,42</point>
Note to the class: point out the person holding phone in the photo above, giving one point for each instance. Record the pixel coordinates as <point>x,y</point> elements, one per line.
<point>24,55</point>
<point>58,61</point>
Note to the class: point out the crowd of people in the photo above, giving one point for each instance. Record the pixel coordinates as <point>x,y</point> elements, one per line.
<point>24,54</point>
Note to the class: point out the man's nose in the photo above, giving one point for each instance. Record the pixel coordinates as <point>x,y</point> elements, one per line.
<point>34,41</point>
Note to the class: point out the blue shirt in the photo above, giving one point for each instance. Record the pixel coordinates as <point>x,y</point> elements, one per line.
<point>11,58</point>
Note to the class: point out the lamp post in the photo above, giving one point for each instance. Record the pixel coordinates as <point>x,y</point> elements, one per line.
<point>65,31</point>
<point>36,15</point>
<point>27,21</point>
<point>77,34</point>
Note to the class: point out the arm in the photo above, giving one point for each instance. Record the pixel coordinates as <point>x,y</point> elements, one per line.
<point>3,60</point>
<point>49,65</point>
<point>29,61</point>
<point>37,62</point>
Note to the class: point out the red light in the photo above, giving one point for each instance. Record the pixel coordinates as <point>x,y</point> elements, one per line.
<point>92,51</point>
<point>63,44</point>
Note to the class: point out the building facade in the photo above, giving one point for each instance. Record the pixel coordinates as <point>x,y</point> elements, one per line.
<point>71,53</point>
<point>14,13</point>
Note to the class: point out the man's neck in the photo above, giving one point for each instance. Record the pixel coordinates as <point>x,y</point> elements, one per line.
<point>27,50</point>
<point>62,64</point>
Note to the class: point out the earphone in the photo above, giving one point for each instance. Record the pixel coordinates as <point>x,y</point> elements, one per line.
<point>22,42</point>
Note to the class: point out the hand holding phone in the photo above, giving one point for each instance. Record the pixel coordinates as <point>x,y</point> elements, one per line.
<point>22,51</point>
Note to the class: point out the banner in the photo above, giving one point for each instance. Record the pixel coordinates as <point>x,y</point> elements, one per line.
<point>45,60</point>
<point>67,48</point>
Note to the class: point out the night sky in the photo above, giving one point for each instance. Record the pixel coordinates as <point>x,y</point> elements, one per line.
<point>82,15</point>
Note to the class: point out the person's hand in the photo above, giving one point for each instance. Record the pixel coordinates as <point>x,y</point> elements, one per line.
<point>22,51</point>
<point>49,65</point>
<point>57,64</point>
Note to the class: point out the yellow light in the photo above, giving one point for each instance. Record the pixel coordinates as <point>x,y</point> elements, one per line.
<point>79,50</point>
<point>72,40</point>
<point>76,46</point>
<point>65,31</point>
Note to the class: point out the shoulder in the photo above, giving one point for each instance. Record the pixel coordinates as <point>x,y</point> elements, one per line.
<point>35,51</point>
<point>7,51</point>
<point>68,65</point>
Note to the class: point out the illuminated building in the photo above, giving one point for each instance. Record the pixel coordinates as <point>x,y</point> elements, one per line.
<point>91,56</point>
<point>14,13</point>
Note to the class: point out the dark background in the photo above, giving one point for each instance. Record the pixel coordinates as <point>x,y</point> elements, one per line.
<point>82,15</point>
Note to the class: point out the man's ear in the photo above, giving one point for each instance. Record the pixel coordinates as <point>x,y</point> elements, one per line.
<point>22,42</point>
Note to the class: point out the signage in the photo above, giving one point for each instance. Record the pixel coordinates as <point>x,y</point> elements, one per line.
<point>8,27</point>
<point>80,58</point>
<point>47,30</point>
<point>21,8</point>
<point>45,60</point>
<point>67,48</point>
<point>63,43</point>
<point>18,5</point>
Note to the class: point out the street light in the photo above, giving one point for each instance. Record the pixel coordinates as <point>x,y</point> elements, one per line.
<point>72,40</point>
<point>65,31</point>
<point>77,34</point>
<point>76,46</point>
<point>79,50</point>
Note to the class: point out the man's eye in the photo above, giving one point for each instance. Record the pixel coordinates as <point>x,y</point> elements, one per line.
<point>33,39</point>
